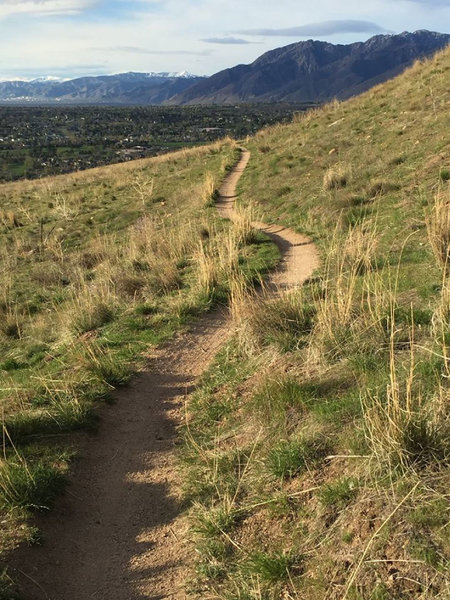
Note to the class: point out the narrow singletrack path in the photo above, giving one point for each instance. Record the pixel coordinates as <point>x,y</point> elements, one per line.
<point>299,256</point>
<point>117,534</point>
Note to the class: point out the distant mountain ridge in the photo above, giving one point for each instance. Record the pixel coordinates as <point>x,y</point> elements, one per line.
<point>125,88</point>
<point>314,71</point>
<point>309,71</point>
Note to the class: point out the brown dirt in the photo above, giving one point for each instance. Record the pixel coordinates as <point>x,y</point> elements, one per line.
<point>299,255</point>
<point>118,533</point>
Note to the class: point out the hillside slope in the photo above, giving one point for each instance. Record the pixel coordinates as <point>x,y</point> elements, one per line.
<point>314,71</point>
<point>318,445</point>
<point>98,267</point>
<point>316,454</point>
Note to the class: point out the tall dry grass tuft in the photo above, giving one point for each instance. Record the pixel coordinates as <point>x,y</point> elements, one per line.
<point>104,365</point>
<point>240,297</point>
<point>337,300</point>
<point>154,251</point>
<point>243,218</point>
<point>216,259</point>
<point>441,323</point>
<point>62,207</point>
<point>90,306</point>
<point>336,177</point>
<point>11,323</point>
<point>404,428</point>
<point>208,190</point>
<point>143,187</point>
<point>438,226</point>
<point>9,220</point>
<point>281,322</point>
<point>228,254</point>
<point>206,267</point>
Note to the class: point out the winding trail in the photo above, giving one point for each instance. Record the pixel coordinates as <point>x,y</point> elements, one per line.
<point>117,534</point>
<point>299,256</point>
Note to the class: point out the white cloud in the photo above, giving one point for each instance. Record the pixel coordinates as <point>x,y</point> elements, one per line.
<point>138,50</point>
<point>431,3</point>
<point>322,28</point>
<point>226,40</point>
<point>44,7</point>
<point>165,35</point>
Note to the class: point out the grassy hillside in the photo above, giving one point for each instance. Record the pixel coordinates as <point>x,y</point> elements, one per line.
<point>95,268</point>
<point>318,444</point>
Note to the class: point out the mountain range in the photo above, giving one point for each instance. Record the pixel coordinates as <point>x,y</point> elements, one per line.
<point>303,72</point>
<point>124,88</point>
<point>314,71</point>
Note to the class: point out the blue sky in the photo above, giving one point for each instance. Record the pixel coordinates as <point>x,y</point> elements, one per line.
<point>69,38</point>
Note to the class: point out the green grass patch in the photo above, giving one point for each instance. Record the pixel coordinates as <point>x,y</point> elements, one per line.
<point>289,458</point>
<point>272,567</point>
<point>29,485</point>
<point>338,494</point>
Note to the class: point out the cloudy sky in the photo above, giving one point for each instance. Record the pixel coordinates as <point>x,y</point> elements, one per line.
<point>69,38</point>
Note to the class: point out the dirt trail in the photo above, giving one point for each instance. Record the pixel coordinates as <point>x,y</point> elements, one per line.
<point>299,255</point>
<point>117,534</point>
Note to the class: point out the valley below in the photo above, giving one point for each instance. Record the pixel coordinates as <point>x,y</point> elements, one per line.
<point>37,141</point>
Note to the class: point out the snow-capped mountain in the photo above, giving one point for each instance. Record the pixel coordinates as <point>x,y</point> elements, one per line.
<point>123,88</point>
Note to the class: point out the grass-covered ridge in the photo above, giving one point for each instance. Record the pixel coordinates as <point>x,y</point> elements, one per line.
<point>318,445</point>
<point>97,267</point>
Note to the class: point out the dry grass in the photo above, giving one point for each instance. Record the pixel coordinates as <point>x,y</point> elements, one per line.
<point>336,177</point>
<point>10,323</point>
<point>208,190</point>
<point>441,323</point>
<point>405,429</point>
<point>283,472</point>
<point>243,218</point>
<point>143,187</point>
<point>262,320</point>
<point>8,219</point>
<point>438,226</point>
<point>338,296</point>
<point>89,310</point>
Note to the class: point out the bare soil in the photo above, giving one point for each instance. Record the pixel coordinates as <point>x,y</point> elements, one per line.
<point>299,255</point>
<point>119,532</point>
